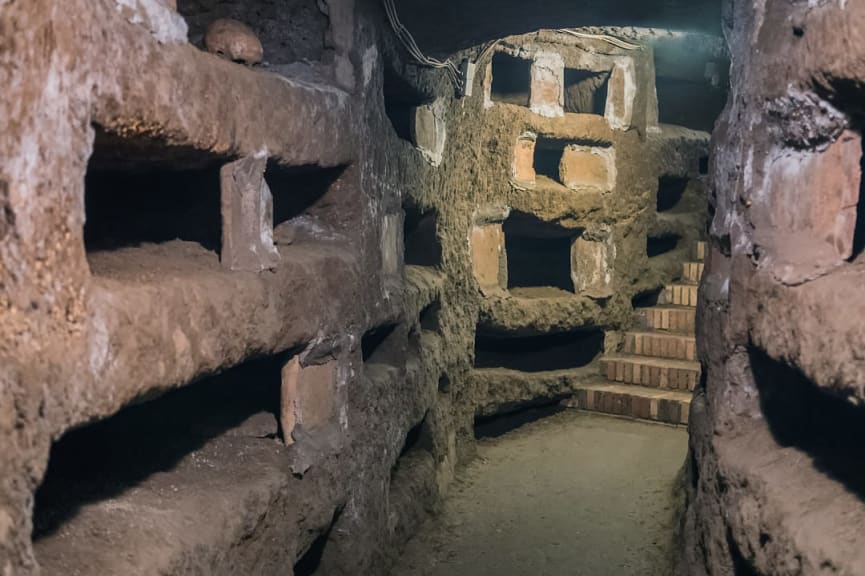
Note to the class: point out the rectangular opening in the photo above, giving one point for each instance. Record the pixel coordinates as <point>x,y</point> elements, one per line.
<point>139,192</point>
<point>311,560</point>
<point>512,79</point>
<point>401,99</point>
<point>294,39</point>
<point>562,351</point>
<point>647,298</point>
<point>548,158</point>
<point>585,91</point>
<point>671,191</point>
<point>577,164</point>
<point>429,317</point>
<point>799,414</point>
<point>660,245</point>
<point>385,345</point>
<point>703,165</point>
<point>538,254</point>
<point>418,439</point>
<point>306,201</point>
<point>694,105</point>
<point>178,440</point>
<point>422,246</point>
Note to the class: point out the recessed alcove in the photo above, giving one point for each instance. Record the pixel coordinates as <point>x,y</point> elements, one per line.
<point>558,351</point>
<point>586,91</point>
<point>420,236</point>
<point>401,99</point>
<point>538,253</point>
<point>671,191</point>
<point>511,79</point>
<point>661,244</point>
<point>103,464</point>
<point>292,38</point>
<point>142,191</point>
<point>385,345</point>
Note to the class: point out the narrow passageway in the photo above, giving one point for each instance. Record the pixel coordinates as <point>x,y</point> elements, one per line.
<point>432,288</point>
<point>573,494</point>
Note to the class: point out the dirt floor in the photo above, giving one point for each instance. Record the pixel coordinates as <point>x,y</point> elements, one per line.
<point>572,494</point>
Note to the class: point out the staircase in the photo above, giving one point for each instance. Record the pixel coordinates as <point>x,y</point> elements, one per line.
<point>654,376</point>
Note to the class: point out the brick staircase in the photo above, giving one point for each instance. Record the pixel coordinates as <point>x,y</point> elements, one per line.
<point>657,370</point>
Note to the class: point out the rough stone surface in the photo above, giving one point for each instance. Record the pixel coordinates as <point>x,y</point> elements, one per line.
<point>775,476</point>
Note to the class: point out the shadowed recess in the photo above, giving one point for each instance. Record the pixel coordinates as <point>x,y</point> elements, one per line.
<point>512,79</point>
<point>560,351</point>
<point>828,428</point>
<point>103,460</point>
<point>420,236</point>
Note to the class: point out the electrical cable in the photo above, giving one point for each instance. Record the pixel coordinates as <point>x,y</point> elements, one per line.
<point>606,38</point>
<point>411,46</point>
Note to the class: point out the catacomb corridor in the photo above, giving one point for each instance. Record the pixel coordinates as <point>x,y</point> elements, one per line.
<point>432,287</point>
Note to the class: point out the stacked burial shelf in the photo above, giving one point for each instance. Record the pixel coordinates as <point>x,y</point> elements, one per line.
<point>538,332</point>
<point>122,494</point>
<point>540,335</point>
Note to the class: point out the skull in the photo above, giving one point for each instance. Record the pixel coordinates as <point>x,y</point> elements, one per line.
<point>233,41</point>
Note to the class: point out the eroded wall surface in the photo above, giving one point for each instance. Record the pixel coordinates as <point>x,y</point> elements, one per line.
<point>776,427</point>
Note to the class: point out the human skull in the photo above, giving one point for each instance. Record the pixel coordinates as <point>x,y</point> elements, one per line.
<point>233,41</point>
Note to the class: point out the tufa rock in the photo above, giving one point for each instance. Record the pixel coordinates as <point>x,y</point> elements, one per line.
<point>233,41</point>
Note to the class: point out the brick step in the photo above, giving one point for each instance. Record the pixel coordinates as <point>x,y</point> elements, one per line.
<point>639,402</point>
<point>652,372</point>
<point>661,345</point>
<point>692,272</point>
<point>700,249</point>
<point>679,295</point>
<point>669,318</point>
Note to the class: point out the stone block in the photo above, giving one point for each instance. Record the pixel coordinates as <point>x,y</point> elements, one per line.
<point>591,267</point>
<point>429,131</point>
<point>308,396</point>
<point>524,159</point>
<point>488,256</point>
<point>692,271</point>
<point>547,92</point>
<point>622,91</point>
<point>680,295</point>
<point>816,193</point>
<point>588,167</point>
<point>247,216</point>
<point>391,233</point>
